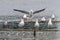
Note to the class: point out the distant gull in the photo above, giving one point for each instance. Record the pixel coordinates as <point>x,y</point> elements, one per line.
<point>5,23</point>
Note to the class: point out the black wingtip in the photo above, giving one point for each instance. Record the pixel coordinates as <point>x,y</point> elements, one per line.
<point>44,9</point>
<point>14,9</point>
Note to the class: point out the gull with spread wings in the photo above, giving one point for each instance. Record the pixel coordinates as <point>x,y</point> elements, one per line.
<point>30,13</point>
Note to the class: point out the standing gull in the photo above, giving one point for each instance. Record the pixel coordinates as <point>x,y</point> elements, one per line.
<point>50,22</point>
<point>21,24</point>
<point>36,23</point>
<point>5,24</point>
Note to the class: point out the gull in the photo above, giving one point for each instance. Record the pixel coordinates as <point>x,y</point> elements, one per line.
<point>31,12</point>
<point>43,19</point>
<point>5,23</point>
<point>21,24</point>
<point>50,22</point>
<point>36,23</point>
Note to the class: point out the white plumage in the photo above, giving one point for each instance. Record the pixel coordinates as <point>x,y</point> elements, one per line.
<point>53,16</point>
<point>43,19</point>
<point>31,10</point>
<point>21,23</point>
<point>36,23</point>
<point>5,23</point>
<point>25,16</point>
<point>50,22</point>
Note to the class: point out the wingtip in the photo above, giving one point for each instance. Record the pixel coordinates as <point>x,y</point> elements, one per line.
<point>14,9</point>
<point>44,8</point>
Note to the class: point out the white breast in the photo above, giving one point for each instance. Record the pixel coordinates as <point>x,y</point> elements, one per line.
<point>36,23</point>
<point>21,23</point>
<point>50,22</point>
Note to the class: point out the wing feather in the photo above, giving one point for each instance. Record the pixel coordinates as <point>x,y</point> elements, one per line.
<point>39,11</point>
<point>22,11</point>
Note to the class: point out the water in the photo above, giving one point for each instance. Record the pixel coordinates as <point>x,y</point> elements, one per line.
<point>48,35</point>
<point>26,35</point>
<point>16,35</point>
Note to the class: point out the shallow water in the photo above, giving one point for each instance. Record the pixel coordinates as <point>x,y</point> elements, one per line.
<point>26,35</point>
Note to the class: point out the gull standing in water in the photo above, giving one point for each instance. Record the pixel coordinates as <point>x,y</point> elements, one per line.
<point>21,24</point>
<point>36,23</point>
<point>5,24</point>
<point>50,22</point>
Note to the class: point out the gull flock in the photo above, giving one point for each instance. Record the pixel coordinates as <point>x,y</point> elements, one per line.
<point>37,21</point>
<point>30,13</point>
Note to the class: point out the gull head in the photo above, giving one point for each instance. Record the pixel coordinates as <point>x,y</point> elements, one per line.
<point>31,11</point>
<point>25,16</point>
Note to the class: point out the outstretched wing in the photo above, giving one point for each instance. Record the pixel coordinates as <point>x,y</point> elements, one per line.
<point>22,11</point>
<point>39,11</point>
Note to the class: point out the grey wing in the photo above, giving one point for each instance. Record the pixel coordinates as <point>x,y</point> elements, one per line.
<point>22,11</point>
<point>39,11</point>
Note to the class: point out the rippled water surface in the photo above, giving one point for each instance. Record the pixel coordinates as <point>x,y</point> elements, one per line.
<point>26,35</point>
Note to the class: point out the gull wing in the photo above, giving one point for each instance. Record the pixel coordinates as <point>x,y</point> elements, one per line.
<point>39,11</point>
<point>22,11</point>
